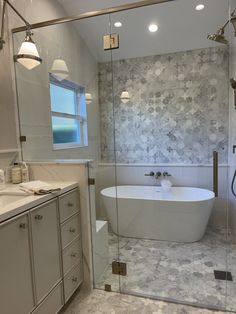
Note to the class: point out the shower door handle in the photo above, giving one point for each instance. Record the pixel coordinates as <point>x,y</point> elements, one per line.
<point>215,172</point>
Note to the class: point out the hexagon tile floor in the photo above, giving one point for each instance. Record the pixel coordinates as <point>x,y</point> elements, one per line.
<point>183,272</point>
<point>101,302</point>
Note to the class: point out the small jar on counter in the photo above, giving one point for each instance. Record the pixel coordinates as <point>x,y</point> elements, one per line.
<point>16,173</point>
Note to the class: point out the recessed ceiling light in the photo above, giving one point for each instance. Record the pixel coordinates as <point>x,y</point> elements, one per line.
<point>200,7</point>
<point>153,28</point>
<point>117,24</point>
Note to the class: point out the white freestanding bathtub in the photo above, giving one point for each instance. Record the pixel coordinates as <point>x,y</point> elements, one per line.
<point>146,212</point>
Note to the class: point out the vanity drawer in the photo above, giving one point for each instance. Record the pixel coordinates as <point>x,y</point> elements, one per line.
<point>68,204</point>
<point>53,303</point>
<point>71,255</point>
<point>73,280</point>
<point>70,229</point>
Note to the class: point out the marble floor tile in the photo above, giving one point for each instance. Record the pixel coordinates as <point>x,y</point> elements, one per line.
<point>183,272</point>
<point>101,302</point>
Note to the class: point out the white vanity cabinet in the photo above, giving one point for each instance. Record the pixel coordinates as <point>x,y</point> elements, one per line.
<point>16,287</point>
<point>41,257</point>
<point>71,242</point>
<point>46,248</point>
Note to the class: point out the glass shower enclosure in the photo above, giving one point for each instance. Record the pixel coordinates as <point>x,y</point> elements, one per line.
<point>158,104</point>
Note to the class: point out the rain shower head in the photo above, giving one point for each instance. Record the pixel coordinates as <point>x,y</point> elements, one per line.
<point>218,37</point>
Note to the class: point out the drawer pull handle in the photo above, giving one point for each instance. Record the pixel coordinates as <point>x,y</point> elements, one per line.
<point>73,254</point>
<point>70,204</point>
<point>23,226</point>
<point>72,230</point>
<point>38,217</point>
<point>74,279</point>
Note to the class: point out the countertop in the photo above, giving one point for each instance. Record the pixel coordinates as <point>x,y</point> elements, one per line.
<point>20,204</point>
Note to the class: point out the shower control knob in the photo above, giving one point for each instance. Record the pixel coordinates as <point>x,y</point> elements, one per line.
<point>150,174</point>
<point>166,174</point>
<point>158,174</point>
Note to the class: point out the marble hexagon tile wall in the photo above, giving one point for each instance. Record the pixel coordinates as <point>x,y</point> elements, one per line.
<point>178,111</point>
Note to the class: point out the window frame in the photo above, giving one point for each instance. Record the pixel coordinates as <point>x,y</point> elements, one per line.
<point>81,121</point>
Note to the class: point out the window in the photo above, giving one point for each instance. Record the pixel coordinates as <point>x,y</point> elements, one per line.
<point>68,114</point>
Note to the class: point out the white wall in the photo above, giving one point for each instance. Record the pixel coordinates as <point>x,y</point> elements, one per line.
<point>34,11</point>
<point>55,42</point>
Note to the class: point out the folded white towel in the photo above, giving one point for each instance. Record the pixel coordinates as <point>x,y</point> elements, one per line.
<point>16,192</point>
<point>37,187</point>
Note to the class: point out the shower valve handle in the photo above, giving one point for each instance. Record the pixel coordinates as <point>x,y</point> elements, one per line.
<point>151,174</point>
<point>166,174</point>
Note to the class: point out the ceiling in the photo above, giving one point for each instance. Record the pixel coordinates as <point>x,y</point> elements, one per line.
<point>181,27</point>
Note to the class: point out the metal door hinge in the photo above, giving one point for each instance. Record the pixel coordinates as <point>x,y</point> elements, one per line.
<point>22,138</point>
<point>91,181</point>
<point>119,268</point>
<point>107,288</point>
<point>111,41</point>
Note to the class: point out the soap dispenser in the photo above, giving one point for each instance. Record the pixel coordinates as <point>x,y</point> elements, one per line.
<point>24,172</point>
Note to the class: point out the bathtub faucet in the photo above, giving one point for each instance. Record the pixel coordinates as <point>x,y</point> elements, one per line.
<point>158,175</point>
<point>150,174</point>
<point>166,174</point>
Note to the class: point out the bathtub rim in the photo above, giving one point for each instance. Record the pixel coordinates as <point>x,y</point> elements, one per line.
<point>211,197</point>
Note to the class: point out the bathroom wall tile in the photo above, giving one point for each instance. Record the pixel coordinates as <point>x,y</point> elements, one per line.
<point>178,111</point>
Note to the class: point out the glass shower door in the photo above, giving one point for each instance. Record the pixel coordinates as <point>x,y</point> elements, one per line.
<point>171,112</point>
<point>78,47</point>
<point>101,170</point>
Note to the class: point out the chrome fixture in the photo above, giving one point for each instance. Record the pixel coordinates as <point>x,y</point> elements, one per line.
<point>150,174</point>
<point>28,54</point>
<point>166,174</point>
<point>157,175</point>
<point>219,36</point>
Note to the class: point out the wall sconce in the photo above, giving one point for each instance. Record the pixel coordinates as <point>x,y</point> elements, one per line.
<point>59,69</point>
<point>125,97</point>
<point>88,98</point>
<point>28,54</point>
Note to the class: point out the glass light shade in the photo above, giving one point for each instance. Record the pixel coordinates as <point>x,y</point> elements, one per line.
<point>88,98</point>
<point>125,97</point>
<point>28,55</point>
<point>59,69</point>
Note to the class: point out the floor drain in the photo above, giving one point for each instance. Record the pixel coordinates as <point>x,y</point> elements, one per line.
<point>223,275</point>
